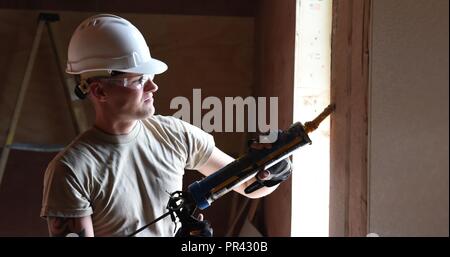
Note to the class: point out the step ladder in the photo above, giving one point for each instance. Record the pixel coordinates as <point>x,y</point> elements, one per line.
<point>76,112</point>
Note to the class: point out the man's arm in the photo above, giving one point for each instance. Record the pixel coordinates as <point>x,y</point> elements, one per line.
<point>59,226</point>
<point>219,159</point>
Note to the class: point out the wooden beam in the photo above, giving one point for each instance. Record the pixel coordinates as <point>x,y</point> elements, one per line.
<point>177,7</point>
<point>349,124</point>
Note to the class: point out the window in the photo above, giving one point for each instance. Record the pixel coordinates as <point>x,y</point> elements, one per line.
<point>311,175</point>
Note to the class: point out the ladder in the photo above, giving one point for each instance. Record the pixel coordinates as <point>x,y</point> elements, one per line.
<point>44,20</point>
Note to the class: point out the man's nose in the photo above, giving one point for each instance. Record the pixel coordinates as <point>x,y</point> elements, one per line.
<point>150,86</point>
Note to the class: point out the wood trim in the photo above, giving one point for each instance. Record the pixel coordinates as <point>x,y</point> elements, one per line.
<point>177,7</point>
<point>349,123</point>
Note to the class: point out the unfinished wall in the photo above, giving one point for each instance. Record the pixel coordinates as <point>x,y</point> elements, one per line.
<point>215,54</point>
<point>408,149</point>
<point>275,77</point>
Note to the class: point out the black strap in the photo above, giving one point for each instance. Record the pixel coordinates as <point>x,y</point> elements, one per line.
<point>149,224</point>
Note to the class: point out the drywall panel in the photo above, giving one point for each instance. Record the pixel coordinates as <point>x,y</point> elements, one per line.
<point>408,160</point>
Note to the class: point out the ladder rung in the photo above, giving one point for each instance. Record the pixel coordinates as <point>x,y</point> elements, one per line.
<point>36,147</point>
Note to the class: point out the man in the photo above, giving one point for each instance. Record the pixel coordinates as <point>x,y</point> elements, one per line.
<point>114,178</point>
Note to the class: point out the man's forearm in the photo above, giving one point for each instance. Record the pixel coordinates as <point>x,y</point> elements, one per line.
<point>219,159</point>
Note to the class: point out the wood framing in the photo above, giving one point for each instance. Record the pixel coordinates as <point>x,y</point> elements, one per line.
<point>349,123</point>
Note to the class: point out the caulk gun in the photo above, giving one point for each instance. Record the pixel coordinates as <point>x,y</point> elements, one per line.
<point>210,188</point>
<point>200,194</point>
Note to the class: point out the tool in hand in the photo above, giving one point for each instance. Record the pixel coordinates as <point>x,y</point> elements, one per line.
<point>200,194</point>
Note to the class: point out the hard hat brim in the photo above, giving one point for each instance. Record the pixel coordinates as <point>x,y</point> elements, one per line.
<point>154,66</point>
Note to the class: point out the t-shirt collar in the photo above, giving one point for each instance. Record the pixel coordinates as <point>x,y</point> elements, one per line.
<point>118,139</point>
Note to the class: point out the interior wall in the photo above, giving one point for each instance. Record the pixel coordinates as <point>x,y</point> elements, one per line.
<point>275,78</point>
<point>408,160</point>
<point>215,54</point>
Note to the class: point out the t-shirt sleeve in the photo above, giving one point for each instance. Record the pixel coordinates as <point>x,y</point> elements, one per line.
<point>199,145</point>
<point>64,194</point>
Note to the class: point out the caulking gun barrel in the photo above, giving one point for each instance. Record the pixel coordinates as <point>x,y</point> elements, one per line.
<point>207,190</point>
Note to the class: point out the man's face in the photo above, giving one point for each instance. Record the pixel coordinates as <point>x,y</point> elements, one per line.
<point>129,96</point>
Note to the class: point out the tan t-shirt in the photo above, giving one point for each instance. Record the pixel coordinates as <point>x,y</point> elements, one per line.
<point>123,181</point>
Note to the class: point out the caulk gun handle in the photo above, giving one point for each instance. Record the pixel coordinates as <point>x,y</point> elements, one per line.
<point>253,187</point>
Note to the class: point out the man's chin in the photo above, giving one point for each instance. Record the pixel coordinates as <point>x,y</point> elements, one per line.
<point>149,113</point>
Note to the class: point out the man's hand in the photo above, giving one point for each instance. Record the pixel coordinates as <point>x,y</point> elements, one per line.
<point>272,176</point>
<point>195,228</point>
<point>219,159</point>
<point>264,174</point>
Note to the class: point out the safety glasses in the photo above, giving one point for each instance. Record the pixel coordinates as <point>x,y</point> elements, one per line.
<point>134,82</point>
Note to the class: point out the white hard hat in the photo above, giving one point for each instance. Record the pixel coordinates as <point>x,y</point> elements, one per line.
<point>108,43</point>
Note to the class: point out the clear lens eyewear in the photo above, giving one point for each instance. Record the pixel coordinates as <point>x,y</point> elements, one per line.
<point>132,82</point>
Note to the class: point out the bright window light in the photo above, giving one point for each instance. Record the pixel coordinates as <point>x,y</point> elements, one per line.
<point>311,175</point>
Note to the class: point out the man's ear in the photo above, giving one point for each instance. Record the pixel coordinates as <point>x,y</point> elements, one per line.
<point>98,91</point>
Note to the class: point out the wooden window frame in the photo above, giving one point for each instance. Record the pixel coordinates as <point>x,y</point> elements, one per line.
<point>349,123</point>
